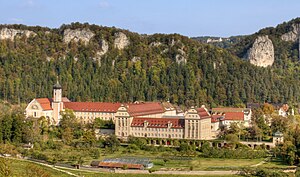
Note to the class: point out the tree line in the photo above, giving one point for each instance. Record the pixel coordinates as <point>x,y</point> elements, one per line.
<point>211,76</point>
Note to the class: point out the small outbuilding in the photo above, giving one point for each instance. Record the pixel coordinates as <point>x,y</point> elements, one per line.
<point>125,163</point>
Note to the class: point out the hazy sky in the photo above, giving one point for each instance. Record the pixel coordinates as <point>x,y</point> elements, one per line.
<point>187,17</point>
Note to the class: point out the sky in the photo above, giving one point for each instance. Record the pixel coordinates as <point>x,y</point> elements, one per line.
<point>191,18</point>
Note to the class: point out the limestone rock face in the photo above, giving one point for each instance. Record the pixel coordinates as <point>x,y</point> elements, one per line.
<point>262,52</point>
<point>104,50</point>
<point>104,47</point>
<point>7,33</point>
<point>121,41</point>
<point>181,57</point>
<point>84,35</point>
<point>292,35</point>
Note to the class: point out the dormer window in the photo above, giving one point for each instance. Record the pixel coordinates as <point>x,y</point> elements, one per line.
<point>169,124</point>
<point>145,124</point>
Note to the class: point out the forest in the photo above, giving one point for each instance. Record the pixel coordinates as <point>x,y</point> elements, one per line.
<point>147,69</point>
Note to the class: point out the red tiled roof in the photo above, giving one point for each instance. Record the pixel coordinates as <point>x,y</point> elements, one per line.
<point>45,103</point>
<point>147,108</point>
<point>285,107</point>
<point>234,116</point>
<point>158,122</point>
<point>92,106</point>
<point>120,165</point>
<point>215,118</point>
<point>202,112</point>
<point>228,109</point>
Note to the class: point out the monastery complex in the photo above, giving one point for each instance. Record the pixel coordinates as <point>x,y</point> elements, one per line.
<point>142,119</point>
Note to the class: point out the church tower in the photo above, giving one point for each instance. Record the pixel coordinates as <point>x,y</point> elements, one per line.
<point>57,104</point>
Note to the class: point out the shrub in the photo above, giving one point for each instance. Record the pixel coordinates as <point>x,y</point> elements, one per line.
<point>125,167</point>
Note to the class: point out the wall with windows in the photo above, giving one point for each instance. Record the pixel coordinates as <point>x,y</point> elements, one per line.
<point>154,132</point>
<point>89,117</point>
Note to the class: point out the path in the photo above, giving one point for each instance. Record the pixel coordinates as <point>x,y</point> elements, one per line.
<point>260,163</point>
<point>47,165</point>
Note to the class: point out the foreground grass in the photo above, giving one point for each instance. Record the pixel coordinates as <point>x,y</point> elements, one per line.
<point>275,164</point>
<point>21,168</point>
<point>204,164</point>
<point>194,163</point>
<point>97,174</point>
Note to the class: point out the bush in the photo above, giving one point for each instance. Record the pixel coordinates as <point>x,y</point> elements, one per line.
<point>125,167</point>
<point>95,153</point>
<point>133,147</point>
<point>38,155</point>
<point>240,153</point>
<point>262,172</point>
<point>151,170</point>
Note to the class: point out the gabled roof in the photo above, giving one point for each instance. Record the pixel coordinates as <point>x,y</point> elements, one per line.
<point>45,103</point>
<point>146,108</point>
<point>92,106</point>
<point>202,112</point>
<point>216,118</point>
<point>158,122</point>
<point>228,109</point>
<point>234,116</point>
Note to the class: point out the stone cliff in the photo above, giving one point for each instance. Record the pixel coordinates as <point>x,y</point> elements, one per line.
<point>262,52</point>
<point>84,35</point>
<point>292,35</point>
<point>7,33</point>
<point>121,41</point>
<point>103,50</point>
<point>181,57</point>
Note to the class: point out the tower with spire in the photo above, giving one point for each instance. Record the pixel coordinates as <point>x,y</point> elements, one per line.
<point>57,104</point>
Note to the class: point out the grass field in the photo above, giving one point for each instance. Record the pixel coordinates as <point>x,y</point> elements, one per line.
<point>204,164</point>
<point>21,169</point>
<point>95,174</point>
<point>196,163</point>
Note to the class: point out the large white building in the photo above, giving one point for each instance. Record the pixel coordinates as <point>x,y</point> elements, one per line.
<point>86,112</point>
<point>151,120</point>
<point>141,119</point>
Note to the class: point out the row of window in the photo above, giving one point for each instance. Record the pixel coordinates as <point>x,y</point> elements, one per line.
<point>94,113</point>
<point>157,129</point>
<point>195,116</point>
<point>158,135</point>
<point>103,118</point>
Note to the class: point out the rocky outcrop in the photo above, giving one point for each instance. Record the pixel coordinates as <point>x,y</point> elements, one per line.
<point>121,41</point>
<point>104,47</point>
<point>172,42</point>
<point>79,34</point>
<point>7,33</point>
<point>155,44</point>
<point>103,50</point>
<point>181,57</point>
<point>262,52</point>
<point>292,35</point>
